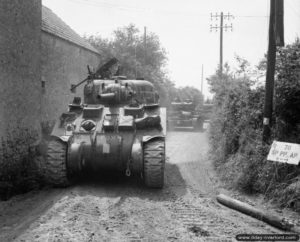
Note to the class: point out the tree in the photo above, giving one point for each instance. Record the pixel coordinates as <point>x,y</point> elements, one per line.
<point>191,93</point>
<point>287,92</point>
<point>127,45</point>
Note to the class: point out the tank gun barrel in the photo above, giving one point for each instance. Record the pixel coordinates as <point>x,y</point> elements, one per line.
<point>73,86</point>
<point>102,72</point>
<point>90,76</point>
<point>106,97</point>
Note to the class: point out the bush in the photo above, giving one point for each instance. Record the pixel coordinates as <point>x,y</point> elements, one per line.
<point>238,152</point>
<point>18,171</point>
<point>287,95</point>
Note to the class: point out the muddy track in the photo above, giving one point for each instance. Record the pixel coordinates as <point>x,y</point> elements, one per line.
<point>117,208</point>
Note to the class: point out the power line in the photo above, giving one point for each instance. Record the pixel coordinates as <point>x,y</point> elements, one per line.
<point>127,8</point>
<point>132,9</point>
<point>252,16</point>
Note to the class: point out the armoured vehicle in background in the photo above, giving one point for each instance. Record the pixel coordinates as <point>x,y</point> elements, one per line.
<point>206,111</point>
<point>119,126</point>
<point>183,115</point>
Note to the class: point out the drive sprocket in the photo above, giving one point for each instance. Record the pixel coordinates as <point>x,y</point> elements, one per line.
<point>154,163</point>
<point>55,165</point>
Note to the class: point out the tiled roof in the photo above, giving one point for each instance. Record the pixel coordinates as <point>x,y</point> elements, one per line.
<point>52,24</point>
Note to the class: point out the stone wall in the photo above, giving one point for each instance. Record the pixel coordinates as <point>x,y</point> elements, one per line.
<point>63,64</point>
<point>20,70</point>
<point>36,72</point>
<point>20,92</point>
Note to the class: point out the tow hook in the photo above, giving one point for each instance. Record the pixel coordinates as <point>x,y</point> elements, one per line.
<point>128,172</point>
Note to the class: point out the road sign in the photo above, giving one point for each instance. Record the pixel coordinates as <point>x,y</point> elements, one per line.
<point>284,152</point>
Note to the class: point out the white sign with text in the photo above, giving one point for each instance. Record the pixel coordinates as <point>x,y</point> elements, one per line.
<point>285,152</point>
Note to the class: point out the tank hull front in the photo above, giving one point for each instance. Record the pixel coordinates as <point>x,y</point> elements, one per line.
<point>109,151</point>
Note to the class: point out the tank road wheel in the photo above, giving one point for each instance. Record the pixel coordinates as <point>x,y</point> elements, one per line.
<point>55,170</point>
<point>154,163</point>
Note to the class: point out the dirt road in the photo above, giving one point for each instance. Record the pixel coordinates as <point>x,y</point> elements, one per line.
<point>121,209</point>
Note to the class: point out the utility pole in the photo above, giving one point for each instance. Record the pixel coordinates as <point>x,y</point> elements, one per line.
<point>221,27</point>
<point>145,46</point>
<point>275,35</point>
<point>202,81</point>
<point>221,43</point>
<point>135,61</point>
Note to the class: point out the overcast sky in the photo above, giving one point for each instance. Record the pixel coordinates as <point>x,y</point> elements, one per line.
<point>183,27</point>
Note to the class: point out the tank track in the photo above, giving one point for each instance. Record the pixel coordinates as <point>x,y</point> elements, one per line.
<point>154,163</point>
<point>55,168</point>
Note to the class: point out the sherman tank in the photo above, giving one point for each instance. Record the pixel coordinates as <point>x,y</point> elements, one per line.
<point>183,115</point>
<point>118,126</point>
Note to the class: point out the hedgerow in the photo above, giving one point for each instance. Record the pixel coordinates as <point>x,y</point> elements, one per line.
<point>18,171</point>
<point>236,137</point>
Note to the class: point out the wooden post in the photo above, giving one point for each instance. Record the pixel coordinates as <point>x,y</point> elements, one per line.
<point>145,46</point>
<point>279,23</point>
<point>256,213</point>
<point>268,108</point>
<point>221,44</point>
<point>202,81</point>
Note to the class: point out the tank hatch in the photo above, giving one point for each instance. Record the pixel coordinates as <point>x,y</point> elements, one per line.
<point>110,122</point>
<point>92,111</point>
<point>126,123</point>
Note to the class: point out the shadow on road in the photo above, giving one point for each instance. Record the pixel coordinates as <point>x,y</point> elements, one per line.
<point>28,207</point>
<point>17,213</point>
<point>118,185</point>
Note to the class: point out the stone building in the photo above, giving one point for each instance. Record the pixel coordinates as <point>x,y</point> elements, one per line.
<point>40,56</point>
<point>20,68</point>
<point>64,60</point>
